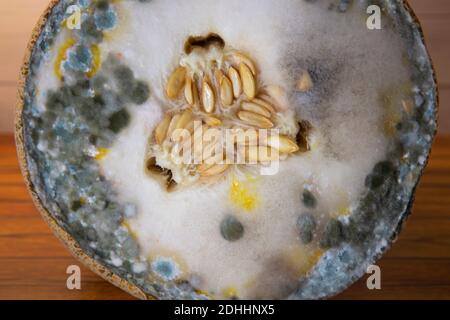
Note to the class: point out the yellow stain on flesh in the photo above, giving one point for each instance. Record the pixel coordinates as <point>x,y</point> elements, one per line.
<point>314,258</point>
<point>390,124</point>
<point>302,259</point>
<point>127,225</point>
<point>101,154</point>
<point>313,145</point>
<point>392,102</point>
<point>62,55</point>
<point>242,193</point>
<point>343,211</point>
<point>108,36</point>
<point>202,293</point>
<point>151,297</point>
<point>230,292</point>
<point>96,60</point>
<point>116,2</point>
<point>342,204</point>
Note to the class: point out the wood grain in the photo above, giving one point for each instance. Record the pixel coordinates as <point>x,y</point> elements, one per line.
<point>33,262</point>
<point>18,17</point>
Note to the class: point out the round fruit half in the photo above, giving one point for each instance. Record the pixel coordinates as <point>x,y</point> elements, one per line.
<point>226,149</point>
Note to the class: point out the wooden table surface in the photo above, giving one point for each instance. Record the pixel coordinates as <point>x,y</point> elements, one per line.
<point>33,262</point>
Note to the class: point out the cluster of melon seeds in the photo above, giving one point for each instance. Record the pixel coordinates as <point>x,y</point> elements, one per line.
<point>216,88</point>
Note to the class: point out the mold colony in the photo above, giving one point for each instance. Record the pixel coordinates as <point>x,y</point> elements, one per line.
<point>95,96</point>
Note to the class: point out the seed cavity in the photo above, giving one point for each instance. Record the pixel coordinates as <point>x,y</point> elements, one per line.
<point>165,176</point>
<point>220,91</point>
<point>203,42</point>
<point>302,136</point>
